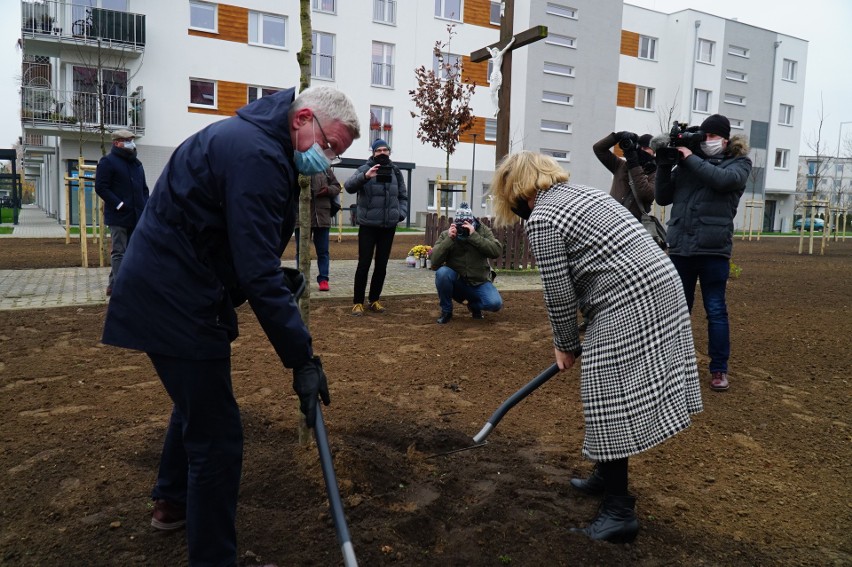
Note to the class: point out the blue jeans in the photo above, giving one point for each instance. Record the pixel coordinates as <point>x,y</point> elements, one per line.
<point>320,238</point>
<point>202,455</point>
<point>712,273</point>
<point>482,297</point>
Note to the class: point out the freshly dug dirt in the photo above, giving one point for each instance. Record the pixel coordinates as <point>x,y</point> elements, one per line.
<point>761,477</point>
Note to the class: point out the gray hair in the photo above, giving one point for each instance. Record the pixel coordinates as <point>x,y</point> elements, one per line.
<point>329,103</point>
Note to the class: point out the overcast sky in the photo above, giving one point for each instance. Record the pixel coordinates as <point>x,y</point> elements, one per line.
<point>823,23</point>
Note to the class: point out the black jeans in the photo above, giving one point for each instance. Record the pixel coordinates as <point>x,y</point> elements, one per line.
<point>372,239</point>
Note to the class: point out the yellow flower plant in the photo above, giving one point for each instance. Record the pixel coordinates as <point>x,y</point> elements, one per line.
<point>420,251</point>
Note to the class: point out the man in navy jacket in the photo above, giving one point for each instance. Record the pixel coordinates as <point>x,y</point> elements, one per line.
<point>120,182</point>
<point>210,238</point>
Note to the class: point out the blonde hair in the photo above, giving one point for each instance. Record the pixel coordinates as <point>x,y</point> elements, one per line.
<point>521,176</point>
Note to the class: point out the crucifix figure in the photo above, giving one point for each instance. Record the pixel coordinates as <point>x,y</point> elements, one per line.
<point>501,74</point>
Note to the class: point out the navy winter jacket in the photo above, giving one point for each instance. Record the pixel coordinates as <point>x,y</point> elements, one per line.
<point>120,178</point>
<point>213,233</point>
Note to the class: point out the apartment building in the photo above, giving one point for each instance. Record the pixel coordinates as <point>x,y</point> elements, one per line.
<point>167,68</point>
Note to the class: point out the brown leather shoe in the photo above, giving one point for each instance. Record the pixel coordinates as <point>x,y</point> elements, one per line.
<point>719,382</point>
<point>168,516</point>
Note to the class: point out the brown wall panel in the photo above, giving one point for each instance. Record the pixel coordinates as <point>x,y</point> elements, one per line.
<point>629,43</point>
<point>479,130</point>
<point>626,95</point>
<point>474,72</point>
<point>478,13</point>
<point>233,25</point>
<point>229,97</point>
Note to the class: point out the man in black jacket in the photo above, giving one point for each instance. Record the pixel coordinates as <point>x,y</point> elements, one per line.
<point>120,182</point>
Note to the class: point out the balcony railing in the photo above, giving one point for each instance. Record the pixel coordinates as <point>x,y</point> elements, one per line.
<point>71,110</point>
<point>63,21</point>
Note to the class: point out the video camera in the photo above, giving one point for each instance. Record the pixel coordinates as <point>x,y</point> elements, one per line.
<point>683,136</point>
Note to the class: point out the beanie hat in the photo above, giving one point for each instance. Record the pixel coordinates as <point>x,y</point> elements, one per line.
<point>464,213</point>
<point>645,141</point>
<point>379,144</point>
<point>717,124</point>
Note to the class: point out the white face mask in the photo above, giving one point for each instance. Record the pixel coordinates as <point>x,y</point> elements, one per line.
<point>712,147</point>
<point>129,145</point>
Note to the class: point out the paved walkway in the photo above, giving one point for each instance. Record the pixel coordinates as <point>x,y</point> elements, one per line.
<point>32,289</point>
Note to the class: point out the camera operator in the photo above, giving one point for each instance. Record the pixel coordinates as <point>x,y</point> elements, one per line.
<point>638,161</point>
<point>462,272</point>
<point>704,189</point>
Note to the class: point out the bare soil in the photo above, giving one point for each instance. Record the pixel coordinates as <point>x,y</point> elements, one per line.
<point>762,476</point>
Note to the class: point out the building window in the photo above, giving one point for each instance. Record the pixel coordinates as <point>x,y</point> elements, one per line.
<point>255,92</point>
<point>384,11</point>
<point>442,200</point>
<point>494,13</point>
<point>202,16</point>
<point>736,123</point>
<point>781,158</point>
<point>381,124</point>
<point>486,196</point>
<point>785,115</point>
<point>644,98</point>
<point>647,47</point>
<point>788,72</point>
<point>706,50</point>
<point>557,98</point>
<point>558,155</point>
<point>736,76</point>
<point>448,9</point>
<point>329,6</point>
<point>382,71</point>
<point>735,99</point>
<point>556,126</point>
<point>490,129</point>
<point>558,69</point>
<point>268,30</point>
<point>738,51</point>
<point>322,56</point>
<point>446,65</point>
<point>561,11</point>
<point>701,101</point>
<point>202,93</point>
<point>561,40</point>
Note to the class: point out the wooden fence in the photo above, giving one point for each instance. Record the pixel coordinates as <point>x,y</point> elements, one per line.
<point>516,250</point>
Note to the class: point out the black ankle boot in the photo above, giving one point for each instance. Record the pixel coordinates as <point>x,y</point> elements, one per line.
<point>593,486</point>
<point>616,521</point>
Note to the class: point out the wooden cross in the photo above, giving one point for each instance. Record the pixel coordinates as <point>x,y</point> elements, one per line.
<point>504,97</point>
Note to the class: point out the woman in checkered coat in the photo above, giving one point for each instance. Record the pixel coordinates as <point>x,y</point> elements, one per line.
<point>639,381</point>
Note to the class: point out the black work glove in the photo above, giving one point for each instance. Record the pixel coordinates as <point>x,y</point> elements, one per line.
<point>631,157</point>
<point>295,281</point>
<point>309,381</point>
<point>649,167</point>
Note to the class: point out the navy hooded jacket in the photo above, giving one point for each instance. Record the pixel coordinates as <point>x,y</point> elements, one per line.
<point>214,228</point>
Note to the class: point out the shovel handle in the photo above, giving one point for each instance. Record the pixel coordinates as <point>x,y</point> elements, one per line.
<point>333,493</point>
<point>495,418</point>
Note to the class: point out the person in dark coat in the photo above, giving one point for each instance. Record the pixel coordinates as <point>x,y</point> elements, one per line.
<point>704,190</point>
<point>325,190</point>
<point>120,182</point>
<point>639,379</point>
<point>638,164</point>
<point>211,237</point>
<point>382,204</point>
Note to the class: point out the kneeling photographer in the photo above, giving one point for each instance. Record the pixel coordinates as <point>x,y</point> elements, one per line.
<point>702,175</point>
<point>638,165</point>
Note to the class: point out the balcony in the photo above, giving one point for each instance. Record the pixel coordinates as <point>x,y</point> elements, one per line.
<point>48,26</point>
<point>50,112</point>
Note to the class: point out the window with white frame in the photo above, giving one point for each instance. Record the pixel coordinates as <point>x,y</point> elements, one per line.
<point>322,55</point>
<point>381,124</point>
<point>384,11</point>
<point>382,70</point>
<point>647,47</point>
<point>202,93</point>
<point>735,99</point>
<point>561,40</point>
<point>706,49</point>
<point>557,98</point>
<point>448,9</point>
<point>494,13</point>
<point>644,98</point>
<point>558,69</point>
<point>562,11</point>
<point>558,155</point>
<point>486,194</point>
<point>556,126</point>
<point>701,100</point>
<point>838,170</point>
<point>255,92</point>
<point>785,115</point>
<point>738,51</point>
<point>442,200</point>
<point>329,6</point>
<point>788,70</point>
<point>202,16</point>
<point>736,76</point>
<point>736,123</point>
<point>446,65</point>
<point>490,129</point>
<point>267,29</point>
<point>782,158</point>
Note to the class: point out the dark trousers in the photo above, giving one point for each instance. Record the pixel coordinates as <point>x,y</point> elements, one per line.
<point>712,273</point>
<point>120,237</point>
<point>372,239</point>
<point>202,455</point>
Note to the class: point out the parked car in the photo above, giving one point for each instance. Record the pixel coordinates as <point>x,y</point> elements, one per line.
<point>819,224</point>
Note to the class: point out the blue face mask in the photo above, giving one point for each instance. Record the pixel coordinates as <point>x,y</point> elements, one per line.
<point>311,161</point>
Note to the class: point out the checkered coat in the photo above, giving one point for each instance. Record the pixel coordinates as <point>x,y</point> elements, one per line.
<point>639,380</point>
